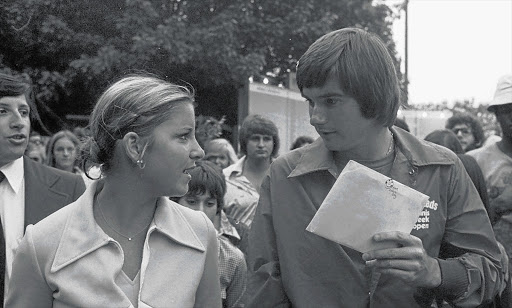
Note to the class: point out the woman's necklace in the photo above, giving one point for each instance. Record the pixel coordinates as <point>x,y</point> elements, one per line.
<point>112,228</point>
<point>390,149</point>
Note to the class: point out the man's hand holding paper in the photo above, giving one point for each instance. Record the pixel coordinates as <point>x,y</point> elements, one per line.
<point>363,203</point>
<point>409,262</point>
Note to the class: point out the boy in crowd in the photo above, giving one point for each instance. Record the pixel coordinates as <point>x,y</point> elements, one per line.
<point>206,193</point>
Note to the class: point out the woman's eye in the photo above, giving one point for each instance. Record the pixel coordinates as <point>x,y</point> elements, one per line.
<point>24,112</point>
<point>184,137</point>
<point>191,201</point>
<point>210,204</point>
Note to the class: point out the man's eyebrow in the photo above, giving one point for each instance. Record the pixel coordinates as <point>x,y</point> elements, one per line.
<point>331,94</point>
<point>328,94</point>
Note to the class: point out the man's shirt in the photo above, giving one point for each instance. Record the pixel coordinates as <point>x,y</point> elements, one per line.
<point>12,211</point>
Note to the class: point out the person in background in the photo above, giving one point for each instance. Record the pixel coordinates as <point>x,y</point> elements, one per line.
<point>36,149</point>
<point>468,129</point>
<point>29,191</point>
<point>62,151</point>
<point>301,141</point>
<point>206,193</point>
<point>259,143</point>
<point>402,124</point>
<point>495,161</point>
<point>453,257</point>
<point>448,139</point>
<point>123,243</point>
<point>220,152</point>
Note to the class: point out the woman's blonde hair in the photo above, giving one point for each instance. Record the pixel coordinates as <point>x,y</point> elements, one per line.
<point>50,156</point>
<point>221,144</point>
<point>136,103</point>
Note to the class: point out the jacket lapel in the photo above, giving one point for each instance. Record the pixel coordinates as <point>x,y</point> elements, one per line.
<point>41,199</point>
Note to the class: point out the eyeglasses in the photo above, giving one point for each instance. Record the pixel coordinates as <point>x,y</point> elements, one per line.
<point>464,131</point>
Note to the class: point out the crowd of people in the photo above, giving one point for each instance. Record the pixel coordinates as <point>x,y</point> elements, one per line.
<point>141,212</point>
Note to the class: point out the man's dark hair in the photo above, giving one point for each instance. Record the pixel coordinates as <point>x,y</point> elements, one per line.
<point>257,124</point>
<point>472,122</point>
<point>446,138</point>
<point>207,177</point>
<point>363,66</point>
<point>15,86</point>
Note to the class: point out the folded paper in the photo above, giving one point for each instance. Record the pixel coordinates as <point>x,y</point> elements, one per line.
<point>362,203</point>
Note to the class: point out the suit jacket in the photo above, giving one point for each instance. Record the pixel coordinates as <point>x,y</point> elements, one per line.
<point>67,260</point>
<point>46,190</point>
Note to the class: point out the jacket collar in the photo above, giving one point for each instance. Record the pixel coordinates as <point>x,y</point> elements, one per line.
<point>316,156</point>
<point>420,152</point>
<point>82,235</point>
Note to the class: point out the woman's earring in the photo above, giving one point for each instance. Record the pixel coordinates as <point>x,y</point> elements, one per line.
<point>141,163</point>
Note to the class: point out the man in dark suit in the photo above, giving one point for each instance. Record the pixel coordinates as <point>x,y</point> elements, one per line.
<point>29,191</point>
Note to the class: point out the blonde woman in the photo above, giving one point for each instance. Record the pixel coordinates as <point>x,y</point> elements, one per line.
<point>220,152</point>
<point>122,243</point>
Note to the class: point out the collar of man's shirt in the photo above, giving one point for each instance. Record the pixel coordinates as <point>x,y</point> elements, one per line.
<point>13,172</point>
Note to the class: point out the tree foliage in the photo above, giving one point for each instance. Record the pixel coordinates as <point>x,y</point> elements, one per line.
<point>72,49</point>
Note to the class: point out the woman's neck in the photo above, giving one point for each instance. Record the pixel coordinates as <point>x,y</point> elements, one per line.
<point>126,205</point>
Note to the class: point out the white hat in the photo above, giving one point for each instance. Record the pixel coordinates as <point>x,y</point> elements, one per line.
<point>503,94</point>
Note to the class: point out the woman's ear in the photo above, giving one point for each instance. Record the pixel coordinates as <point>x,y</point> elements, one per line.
<point>132,144</point>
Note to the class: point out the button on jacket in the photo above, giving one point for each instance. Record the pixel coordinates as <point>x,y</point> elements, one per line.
<point>291,267</point>
<point>66,260</point>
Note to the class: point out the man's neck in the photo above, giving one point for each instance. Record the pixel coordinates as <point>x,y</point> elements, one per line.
<point>505,145</point>
<point>376,146</point>
<point>256,166</point>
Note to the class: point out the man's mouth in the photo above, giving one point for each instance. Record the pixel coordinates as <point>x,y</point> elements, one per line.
<point>17,138</point>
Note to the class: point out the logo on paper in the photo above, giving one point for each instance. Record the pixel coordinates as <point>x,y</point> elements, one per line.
<point>390,186</point>
<point>423,221</point>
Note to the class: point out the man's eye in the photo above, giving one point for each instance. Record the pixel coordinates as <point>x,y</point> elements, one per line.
<point>268,138</point>
<point>213,203</point>
<point>330,101</point>
<point>310,102</point>
<point>191,201</point>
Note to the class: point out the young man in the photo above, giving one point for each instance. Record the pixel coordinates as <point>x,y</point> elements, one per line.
<point>29,191</point>
<point>495,160</point>
<point>468,129</point>
<point>348,79</point>
<point>206,192</point>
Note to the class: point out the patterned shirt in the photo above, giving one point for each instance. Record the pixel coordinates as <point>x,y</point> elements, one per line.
<point>232,273</point>
<point>241,197</point>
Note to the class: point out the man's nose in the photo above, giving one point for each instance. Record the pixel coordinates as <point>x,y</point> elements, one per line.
<point>318,116</point>
<point>17,120</point>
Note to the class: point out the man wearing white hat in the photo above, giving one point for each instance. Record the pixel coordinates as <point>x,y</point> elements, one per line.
<point>495,161</point>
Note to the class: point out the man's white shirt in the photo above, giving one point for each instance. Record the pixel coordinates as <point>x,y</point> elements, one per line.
<point>12,211</point>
